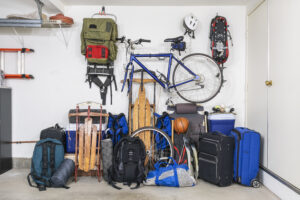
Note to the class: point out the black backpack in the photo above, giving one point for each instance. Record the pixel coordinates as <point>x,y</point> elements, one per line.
<point>128,162</point>
<point>54,132</point>
<point>218,36</point>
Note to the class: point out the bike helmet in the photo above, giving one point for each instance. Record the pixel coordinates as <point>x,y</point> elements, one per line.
<point>190,24</point>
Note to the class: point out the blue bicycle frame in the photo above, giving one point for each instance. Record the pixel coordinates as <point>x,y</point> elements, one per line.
<point>133,58</point>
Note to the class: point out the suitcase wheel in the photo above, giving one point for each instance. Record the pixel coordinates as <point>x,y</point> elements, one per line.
<point>255,183</point>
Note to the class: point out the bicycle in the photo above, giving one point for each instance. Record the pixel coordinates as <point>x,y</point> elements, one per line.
<point>198,83</point>
<point>158,146</point>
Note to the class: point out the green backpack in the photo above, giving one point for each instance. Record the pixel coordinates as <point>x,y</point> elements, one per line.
<point>98,38</point>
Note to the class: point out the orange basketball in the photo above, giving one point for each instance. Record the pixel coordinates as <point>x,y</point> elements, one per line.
<point>181,125</point>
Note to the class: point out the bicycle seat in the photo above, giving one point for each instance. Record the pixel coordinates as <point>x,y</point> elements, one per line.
<point>176,40</point>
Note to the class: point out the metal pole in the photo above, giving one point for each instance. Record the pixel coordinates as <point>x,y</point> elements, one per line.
<point>22,62</point>
<point>2,61</point>
<point>19,62</point>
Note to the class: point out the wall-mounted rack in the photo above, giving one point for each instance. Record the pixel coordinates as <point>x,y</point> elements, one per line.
<point>28,23</point>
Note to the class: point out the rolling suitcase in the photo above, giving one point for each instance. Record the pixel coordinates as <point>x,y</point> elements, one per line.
<point>246,156</point>
<point>215,158</point>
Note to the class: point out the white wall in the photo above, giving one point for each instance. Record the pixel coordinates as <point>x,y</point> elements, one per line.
<point>60,72</point>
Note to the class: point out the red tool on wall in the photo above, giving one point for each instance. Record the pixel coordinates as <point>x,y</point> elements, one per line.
<point>20,64</point>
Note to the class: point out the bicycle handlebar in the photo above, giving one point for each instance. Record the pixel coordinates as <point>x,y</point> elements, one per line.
<point>122,39</point>
<point>130,42</point>
<point>144,40</point>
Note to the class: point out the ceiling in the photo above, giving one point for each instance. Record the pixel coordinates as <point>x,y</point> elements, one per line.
<point>251,4</point>
<point>159,2</point>
<point>54,6</point>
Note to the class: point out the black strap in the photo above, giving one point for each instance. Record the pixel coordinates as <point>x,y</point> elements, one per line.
<point>136,187</point>
<point>111,91</point>
<point>39,186</point>
<point>52,157</point>
<point>44,159</point>
<point>93,76</point>
<point>110,179</point>
<point>66,187</point>
<point>29,181</point>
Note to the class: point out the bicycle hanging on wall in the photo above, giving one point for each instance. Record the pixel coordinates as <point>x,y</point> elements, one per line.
<point>196,78</point>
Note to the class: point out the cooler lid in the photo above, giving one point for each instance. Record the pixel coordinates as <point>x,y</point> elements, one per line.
<point>221,116</point>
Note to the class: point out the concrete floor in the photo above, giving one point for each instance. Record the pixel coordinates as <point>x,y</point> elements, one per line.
<point>14,186</point>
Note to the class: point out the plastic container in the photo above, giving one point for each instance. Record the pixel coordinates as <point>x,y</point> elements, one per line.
<point>223,123</point>
<point>70,141</point>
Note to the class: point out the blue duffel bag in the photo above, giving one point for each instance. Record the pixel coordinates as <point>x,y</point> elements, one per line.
<point>172,175</point>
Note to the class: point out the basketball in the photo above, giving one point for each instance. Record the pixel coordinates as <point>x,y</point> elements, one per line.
<point>181,125</point>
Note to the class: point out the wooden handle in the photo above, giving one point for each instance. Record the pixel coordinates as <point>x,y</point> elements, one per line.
<point>92,114</point>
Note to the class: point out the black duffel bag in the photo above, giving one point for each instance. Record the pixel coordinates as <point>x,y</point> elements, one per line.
<point>63,173</point>
<point>54,132</point>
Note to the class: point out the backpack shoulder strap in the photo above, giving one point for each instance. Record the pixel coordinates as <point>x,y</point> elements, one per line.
<point>44,158</point>
<point>52,157</point>
<point>113,167</point>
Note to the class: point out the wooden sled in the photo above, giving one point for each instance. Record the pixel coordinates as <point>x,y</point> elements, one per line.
<point>87,153</point>
<point>140,113</point>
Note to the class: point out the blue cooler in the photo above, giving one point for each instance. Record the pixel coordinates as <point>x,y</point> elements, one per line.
<point>70,141</point>
<point>223,122</point>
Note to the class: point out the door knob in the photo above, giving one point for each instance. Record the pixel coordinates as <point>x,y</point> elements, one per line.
<point>268,83</point>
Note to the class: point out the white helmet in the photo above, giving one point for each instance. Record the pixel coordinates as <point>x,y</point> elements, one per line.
<point>190,24</point>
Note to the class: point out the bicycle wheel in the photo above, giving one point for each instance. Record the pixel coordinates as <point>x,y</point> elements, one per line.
<point>206,87</point>
<point>158,146</point>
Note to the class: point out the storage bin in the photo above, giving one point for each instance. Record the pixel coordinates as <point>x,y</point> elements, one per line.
<point>223,122</point>
<point>71,141</point>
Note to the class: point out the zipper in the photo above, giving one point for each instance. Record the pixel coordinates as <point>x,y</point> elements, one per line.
<point>211,140</point>
<point>210,161</point>
<point>238,155</point>
<point>214,142</point>
<point>206,160</point>
<point>217,143</point>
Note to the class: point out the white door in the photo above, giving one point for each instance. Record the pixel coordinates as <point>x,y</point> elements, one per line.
<point>257,74</point>
<point>284,95</point>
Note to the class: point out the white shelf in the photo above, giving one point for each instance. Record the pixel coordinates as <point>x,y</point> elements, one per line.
<point>55,24</point>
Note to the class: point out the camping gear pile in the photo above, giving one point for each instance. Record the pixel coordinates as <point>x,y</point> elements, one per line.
<point>217,157</point>
<point>208,147</point>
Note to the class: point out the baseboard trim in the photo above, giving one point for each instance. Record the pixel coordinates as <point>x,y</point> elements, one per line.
<point>21,163</point>
<point>281,180</point>
<point>277,187</point>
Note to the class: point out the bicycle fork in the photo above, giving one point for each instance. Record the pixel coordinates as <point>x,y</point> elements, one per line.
<point>130,78</point>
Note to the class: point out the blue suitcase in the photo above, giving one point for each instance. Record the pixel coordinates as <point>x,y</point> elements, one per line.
<point>246,156</point>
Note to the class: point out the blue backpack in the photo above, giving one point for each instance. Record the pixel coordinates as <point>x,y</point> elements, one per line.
<point>116,127</point>
<point>164,123</point>
<point>47,156</point>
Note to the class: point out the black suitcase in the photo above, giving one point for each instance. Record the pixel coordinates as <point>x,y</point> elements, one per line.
<point>215,158</point>
<point>54,132</point>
